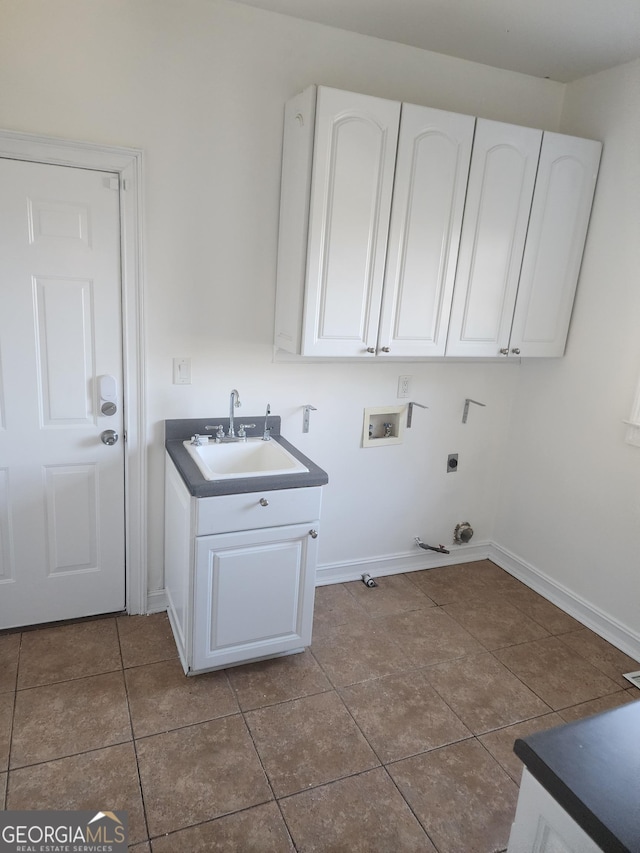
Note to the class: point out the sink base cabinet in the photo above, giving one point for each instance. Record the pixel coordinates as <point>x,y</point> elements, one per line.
<point>242,595</point>
<point>254,594</point>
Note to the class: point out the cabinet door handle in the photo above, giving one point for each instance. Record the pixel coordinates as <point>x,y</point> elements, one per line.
<point>516,350</point>
<point>371,349</point>
<point>264,502</point>
<point>313,534</point>
<point>386,349</point>
<point>504,351</point>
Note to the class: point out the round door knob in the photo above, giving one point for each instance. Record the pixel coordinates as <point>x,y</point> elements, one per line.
<point>386,349</point>
<point>313,534</point>
<point>371,349</point>
<point>516,351</point>
<point>504,351</point>
<point>264,502</point>
<point>109,436</point>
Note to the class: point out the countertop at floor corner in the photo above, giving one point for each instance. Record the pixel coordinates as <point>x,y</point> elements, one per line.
<point>592,769</point>
<point>179,430</point>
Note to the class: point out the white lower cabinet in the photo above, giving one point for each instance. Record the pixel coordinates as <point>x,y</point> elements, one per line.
<point>543,826</point>
<point>240,573</point>
<point>253,594</point>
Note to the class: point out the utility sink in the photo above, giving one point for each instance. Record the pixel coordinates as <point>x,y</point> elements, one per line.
<point>251,458</point>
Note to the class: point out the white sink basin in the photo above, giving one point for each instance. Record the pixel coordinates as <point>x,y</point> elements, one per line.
<point>251,458</point>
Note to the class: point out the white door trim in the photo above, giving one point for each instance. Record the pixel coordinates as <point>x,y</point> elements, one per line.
<point>128,163</point>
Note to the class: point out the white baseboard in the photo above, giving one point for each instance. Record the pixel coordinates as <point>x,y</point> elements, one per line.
<point>589,615</point>
<point>157,601</point>
<point>396,564</point>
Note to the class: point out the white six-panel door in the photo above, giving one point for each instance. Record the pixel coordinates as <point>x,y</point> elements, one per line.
<point>61,488</point>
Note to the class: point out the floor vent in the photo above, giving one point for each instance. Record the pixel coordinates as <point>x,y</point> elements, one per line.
<point>633,677</point>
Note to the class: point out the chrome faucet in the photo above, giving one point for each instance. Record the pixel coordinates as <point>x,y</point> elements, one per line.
<point>234,400</point>
<point>266,435</point>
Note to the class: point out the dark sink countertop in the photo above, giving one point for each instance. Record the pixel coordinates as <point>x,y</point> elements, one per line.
<point>177,431</point>
<point>592,769</point>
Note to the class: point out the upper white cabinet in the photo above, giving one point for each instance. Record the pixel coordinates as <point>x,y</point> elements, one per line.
<point>370,269</point>
<point>558,225</point>
<point>434,149</point>
<point>342,175</point>
<point>412,232</point>
<point>499,194</point>
<point>526,216</point>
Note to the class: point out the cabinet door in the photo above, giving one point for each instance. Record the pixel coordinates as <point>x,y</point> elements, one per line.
<point>557,231</point>
<point>434,150</point>
<point>253,594</point>
<point>351,187</point>
<point>501,181</point>
<point>543,826</point>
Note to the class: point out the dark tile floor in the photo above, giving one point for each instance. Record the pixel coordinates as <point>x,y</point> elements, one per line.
<point>394,733</point>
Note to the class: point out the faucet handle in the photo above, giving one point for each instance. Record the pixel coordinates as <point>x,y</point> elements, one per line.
<point>219,428</point>
<point>242,429</point>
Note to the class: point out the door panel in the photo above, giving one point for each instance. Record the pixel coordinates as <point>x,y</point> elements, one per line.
<point>61,488</point>
<point>64,315</point>
<point>501,182</point>
<point>72,530</point>
<point>254,593</point>
<point>352,180</point>
<point>557,231</point>
<point>434,149</point>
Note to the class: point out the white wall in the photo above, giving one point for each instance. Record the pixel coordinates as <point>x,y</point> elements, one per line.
<point>571,498</point>
<point>200,85</point>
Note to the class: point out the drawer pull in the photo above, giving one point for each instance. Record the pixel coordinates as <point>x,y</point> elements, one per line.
<point>264,502</point>
<point>313,534</point>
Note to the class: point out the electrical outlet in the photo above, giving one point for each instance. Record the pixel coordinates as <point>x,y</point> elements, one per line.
<point>404,386</point>
<point>452,463</point>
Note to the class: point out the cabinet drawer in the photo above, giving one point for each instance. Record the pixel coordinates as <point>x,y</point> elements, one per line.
<point>226,513</point>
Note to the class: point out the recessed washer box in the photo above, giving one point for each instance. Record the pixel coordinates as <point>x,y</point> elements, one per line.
<point>383,425</point>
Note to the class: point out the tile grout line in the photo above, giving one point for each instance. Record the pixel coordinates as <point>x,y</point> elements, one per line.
<point>264,769</point>
<point>133,738</point>
<point>384,768</point>
<point>335,688</point>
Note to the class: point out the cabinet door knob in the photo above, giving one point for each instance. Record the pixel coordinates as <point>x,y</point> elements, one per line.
<point>516,351</point>
<point>264,502</point>
<point>386,349</point>
<point>313,534</point>
<point>371,349</point>
<point>504,351</point>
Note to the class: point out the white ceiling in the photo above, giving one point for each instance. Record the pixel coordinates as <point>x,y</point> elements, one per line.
<point>559,39</point>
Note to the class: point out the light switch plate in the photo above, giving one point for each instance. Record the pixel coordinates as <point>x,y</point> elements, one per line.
<point>182,371</point>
